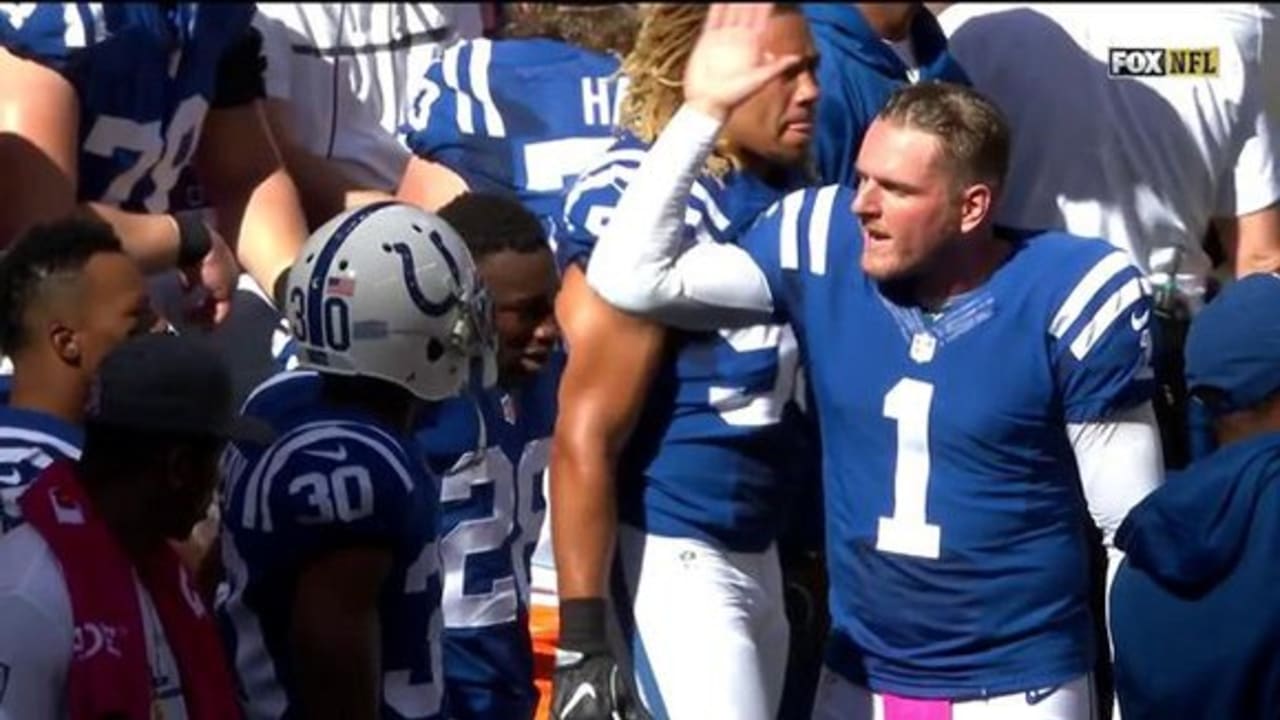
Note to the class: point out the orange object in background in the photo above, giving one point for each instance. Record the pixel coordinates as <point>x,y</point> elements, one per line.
<point>544,626</point>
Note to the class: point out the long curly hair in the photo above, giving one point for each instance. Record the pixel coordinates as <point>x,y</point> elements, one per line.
<point>655,68</point>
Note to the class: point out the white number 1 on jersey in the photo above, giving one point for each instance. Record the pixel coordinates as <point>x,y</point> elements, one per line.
<point>907,532</point>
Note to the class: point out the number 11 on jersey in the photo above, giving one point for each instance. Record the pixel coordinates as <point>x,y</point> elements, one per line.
<point>907,532</point>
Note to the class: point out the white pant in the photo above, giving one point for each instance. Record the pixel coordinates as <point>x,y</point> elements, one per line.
<point>839,699</point>
<point>708,629</point>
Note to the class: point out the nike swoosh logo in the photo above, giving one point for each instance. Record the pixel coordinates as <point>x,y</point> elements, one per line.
<point>1035,697</point>
<point>338,455</point>
<point>1140,321</point>
<point>583,692</point>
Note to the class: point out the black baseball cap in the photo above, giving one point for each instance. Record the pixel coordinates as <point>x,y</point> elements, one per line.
<point>167,383</point>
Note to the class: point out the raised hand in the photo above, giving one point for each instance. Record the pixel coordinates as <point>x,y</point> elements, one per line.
<point>728,63</point>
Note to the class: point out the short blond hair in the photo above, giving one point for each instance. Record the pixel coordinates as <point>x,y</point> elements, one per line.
<point>972,131</point>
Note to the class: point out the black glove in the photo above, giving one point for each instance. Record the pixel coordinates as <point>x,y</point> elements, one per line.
<point>588,684</point>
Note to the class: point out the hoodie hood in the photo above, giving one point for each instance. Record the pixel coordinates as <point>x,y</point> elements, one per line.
<point>851,35</point>
<point>1189,533</point>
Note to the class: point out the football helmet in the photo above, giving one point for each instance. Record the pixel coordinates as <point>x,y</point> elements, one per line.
<point>390,291</point>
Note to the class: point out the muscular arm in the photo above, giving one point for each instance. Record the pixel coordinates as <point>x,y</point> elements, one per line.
<point>429,185</point>
<point>1251,241</point>
<point>323,185</point>
<point>335,636</point>
<point>258,208</point>
<point>637,265</point>
<point>612,359</point>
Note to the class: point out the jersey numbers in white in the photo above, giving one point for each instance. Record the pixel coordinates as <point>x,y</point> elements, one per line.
<point>420,699</point>
<point>516,491</point>
<point>551,165</point>
<point>907,531</point>
<point>743,409</point>
<point>345,493</point>
<point>161,156</point>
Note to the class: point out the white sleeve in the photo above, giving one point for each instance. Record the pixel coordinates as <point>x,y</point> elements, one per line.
<point>637,265</point>
<point>1121,462</point>
<point>35,631</point>
<point>1253,178</point>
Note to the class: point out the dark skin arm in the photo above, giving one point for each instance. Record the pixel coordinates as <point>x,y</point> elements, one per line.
<point>612,360</point>
<point>335,636</point>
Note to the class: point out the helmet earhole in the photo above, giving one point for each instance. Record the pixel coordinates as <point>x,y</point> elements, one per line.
<point>435,350</point>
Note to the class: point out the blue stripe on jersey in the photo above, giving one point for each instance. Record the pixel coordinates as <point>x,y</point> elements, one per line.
<point>320,271</point>
<point>713,450</point>
<point>954,514</point>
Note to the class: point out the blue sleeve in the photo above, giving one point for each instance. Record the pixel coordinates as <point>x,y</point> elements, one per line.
<point>448,124</point>
<point>333,486</point>
<point>590,203</point>
<point>52,34</point>
<point>790,242</point>
<point>1102,342</point>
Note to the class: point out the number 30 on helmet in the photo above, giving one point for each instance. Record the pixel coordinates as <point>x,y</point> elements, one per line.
<point>390,291</point>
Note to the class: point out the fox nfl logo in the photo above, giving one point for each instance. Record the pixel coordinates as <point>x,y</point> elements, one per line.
<point>1163,62</point>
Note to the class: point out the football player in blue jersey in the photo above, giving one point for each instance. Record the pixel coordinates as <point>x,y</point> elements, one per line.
<point>523,115</point>
<point>979,389</point>
<point>678,449</point>
<point>330,534</point>
<point>492,448</point>
<point>68,296</point>
<point>110,109</point>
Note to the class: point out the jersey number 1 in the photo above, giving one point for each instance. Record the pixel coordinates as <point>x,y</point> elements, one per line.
<point>907,532</point>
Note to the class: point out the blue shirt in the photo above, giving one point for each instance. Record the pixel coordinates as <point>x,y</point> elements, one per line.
<point>144,75</point>
<point>857,73</point>
<point>954,534</point>
<point>1193,607</point>
<point>333,479</point>
<point>30,441</point>
<point>712,449</point>
<point>520,117</point>
<point>492,449</point>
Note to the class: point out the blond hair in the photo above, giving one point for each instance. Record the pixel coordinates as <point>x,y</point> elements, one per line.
<point>655,72</point>
<point>971,130</point>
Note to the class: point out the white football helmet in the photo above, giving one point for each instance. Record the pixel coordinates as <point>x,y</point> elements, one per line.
<point>390,291</point>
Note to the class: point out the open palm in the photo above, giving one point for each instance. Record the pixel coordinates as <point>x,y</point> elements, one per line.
<point>728,63</point>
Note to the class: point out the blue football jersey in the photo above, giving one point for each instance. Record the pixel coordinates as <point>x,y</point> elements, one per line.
<point>145,75</point>
<point>492,448</point>
<point>954,511</point>
<point>29,442</point>
<point>333,478</point>
<point>520,117</point>
<point>718,433</point>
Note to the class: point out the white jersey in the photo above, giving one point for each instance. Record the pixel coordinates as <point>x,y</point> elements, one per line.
<point>1143,161</point>
<point>37,629</point>
<point>350,70</point>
